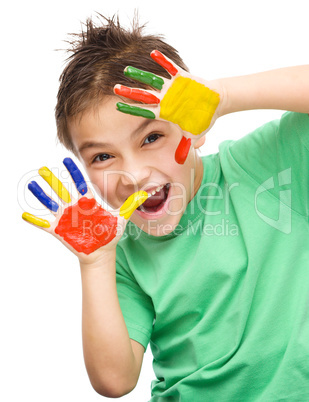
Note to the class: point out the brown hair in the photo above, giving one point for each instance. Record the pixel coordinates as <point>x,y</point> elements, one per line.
<point>99,55</point>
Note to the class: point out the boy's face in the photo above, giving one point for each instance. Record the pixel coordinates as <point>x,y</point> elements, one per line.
<point>123,154</point>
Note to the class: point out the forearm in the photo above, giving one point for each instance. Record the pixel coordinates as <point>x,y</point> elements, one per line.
<point>108,353</point>
<point>282,89</point>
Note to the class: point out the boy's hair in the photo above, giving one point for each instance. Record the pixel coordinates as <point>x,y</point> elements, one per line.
<point>99,57</point>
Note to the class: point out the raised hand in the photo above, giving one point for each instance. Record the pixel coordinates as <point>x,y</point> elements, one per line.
<point>188,101</point>
<point>81,224</point>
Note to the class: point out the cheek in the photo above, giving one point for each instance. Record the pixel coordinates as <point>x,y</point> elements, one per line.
<point>164,158</point>
<point>96,178</point>
<point>185,176</point>
<point>103,184</point>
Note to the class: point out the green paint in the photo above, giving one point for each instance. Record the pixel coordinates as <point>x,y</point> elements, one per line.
<point>135,111</point>
<point>144,77</point>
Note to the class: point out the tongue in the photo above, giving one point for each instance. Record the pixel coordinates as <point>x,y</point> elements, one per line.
<point>155,199</point>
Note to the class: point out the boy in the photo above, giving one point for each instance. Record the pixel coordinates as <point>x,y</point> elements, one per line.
<point>207,271</point>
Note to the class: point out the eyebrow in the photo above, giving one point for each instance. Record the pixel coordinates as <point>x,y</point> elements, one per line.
<point>93,144</point>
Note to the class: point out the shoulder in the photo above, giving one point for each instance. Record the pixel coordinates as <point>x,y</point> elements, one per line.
<point>278,137</point>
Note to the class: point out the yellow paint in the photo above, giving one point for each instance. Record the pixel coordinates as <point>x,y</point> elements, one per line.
<point>189,104</point>
<point>35,220</point>
<point>133,202</point>
<point>55,184</point>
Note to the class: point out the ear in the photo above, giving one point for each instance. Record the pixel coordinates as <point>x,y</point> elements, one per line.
<point>200,142</point>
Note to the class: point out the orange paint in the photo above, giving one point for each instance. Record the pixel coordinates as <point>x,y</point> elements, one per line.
<point>86,226</point>
<point>136,94</point>
<point>162,60</point>
<point>182,150</point>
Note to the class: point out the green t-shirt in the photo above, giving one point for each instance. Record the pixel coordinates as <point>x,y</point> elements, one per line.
<point>224,299</point>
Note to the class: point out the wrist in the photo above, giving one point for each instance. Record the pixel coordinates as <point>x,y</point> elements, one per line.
<point>220,86</point>
<point>97,262</point>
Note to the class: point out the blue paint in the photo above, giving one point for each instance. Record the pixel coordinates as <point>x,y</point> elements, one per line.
<point>76,175</point>
<point>38,192</point>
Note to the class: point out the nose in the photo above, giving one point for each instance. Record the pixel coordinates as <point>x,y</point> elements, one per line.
<point>135,173</point>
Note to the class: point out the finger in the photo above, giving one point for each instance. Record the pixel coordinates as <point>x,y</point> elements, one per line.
<point>38,192</point>
<point>43,223</point>
<point>76,175</point>
<point>182,150</point>
<point>135,111</point>
<point>55,184</point>
<point>133,202</point>
<point>145,77</point>
<point>169,66</point>
<point>136,94</point>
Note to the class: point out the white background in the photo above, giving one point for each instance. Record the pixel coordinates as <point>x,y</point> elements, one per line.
<point>41,346</point>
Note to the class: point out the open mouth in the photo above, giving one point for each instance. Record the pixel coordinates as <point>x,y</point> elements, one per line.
<point>156,199</point>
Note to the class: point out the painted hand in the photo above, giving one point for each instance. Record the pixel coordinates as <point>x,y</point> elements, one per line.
<point>81,224</point>
<point>188,101</point>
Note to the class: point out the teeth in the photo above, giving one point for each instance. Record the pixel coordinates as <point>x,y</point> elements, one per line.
<point>155,191</point>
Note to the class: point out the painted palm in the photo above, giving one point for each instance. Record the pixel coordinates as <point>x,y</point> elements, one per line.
<point>81,224</point>
<point>185,100</point>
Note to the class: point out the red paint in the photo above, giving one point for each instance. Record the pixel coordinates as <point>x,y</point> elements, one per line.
<point>86,226</point>
<point>136,94</point>
<point>161,59</point>
<point>182,150</point>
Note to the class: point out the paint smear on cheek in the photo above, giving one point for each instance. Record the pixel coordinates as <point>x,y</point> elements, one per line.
<point>86,226</point>
<point>189,104</point>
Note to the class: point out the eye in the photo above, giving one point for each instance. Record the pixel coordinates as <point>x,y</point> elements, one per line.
<point>101,158</point>
<point>151,138</point>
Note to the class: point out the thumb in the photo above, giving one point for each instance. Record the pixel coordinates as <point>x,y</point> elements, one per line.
<point>131,203</point>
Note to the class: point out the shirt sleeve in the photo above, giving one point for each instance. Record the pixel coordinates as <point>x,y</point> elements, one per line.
<point>136,306</point>
<point>276,156</point>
